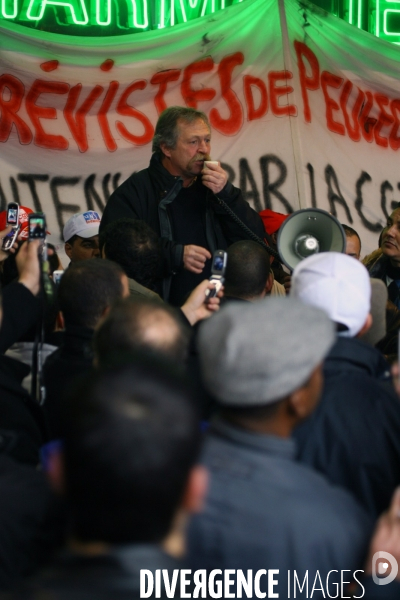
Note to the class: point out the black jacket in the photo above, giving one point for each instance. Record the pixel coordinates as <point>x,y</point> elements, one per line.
<point>146,195</point>
<point>380,269</point>
<point>73,359</point>
<point>22,425</point>
<point>31,521</point>
<point>22,428</point>
<point>353,436</point>
<point>21,311</point>
<point>111,576</point>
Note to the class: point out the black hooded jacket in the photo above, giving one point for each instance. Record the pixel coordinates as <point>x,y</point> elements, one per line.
<point>146,195</point>
<point>353,436</point>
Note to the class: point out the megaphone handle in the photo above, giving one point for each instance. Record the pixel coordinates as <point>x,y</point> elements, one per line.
<point>247,230</point>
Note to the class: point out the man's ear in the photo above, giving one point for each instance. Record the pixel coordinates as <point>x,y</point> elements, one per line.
<point>165,150</point>
<point>196,489</point>
<point>304,400</point>
<point>60,322</point>
<point>269,284</point>
<point>68,249</point>
<point>55,471</point>
<point>298,402</point>
<point>366,327</point>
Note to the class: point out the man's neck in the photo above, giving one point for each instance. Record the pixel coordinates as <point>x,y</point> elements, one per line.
<point>87,548</point>
<point>187,180</point>
<point>277,427</point>
<point>173,544</point>
<point>395,263</point>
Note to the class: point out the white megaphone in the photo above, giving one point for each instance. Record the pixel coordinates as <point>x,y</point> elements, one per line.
<point>308,232</point>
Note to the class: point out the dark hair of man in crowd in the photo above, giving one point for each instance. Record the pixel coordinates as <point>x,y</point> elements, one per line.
<point>133,325</point>
<point>135,247</point>
<point>167,131</point>
<point>247,270</point>
<point>131,437</point>
<point>86,289</point>
<point>349,231</point>
<point>54,261</point>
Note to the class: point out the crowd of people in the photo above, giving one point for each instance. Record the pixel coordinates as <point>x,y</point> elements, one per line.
<point>148,425</point>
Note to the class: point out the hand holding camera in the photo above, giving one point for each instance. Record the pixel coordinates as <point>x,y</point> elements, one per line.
<point>13,227</point>
<point>217,278</point>
<point>28,266</point>
<point>32,253</point>
<point>197,307</point>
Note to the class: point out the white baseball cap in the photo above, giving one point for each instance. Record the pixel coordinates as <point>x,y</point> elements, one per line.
<point>337,284</point>
<point>86,225</point>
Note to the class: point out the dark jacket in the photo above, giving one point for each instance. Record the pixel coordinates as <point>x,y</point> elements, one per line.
<point>264,510</point>
<point>377,267</point>
<point>21,311</point>
<point>73,359</point>
<point>390,591</point>
<point>111,576</point>
<point>380,269</point>
<point>22,429</point>
<point>22,424</point>
<point>353,436</point>
<point>31,521</point>
<point>146,195</point>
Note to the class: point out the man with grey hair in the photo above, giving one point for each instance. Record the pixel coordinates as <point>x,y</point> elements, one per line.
<point>264,511</point>
<point>176,196</point>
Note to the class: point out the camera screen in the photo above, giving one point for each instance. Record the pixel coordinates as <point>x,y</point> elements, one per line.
<point>37,228</point>
<point>12,216</point>
<point>218,263</point>
<point>57,276</point>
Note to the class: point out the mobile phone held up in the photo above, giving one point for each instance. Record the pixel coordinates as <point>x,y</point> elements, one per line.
<point>57,276</point>
<point>12,218</point>
<point>37,226</point>
<point>219,261</point>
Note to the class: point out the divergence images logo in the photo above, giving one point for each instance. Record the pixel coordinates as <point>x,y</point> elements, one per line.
<point>383,567</point>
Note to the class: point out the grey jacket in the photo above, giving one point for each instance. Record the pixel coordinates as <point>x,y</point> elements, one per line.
<point>266,511</point>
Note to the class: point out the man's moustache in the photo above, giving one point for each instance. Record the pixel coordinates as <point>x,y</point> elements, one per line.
<point>201,157</point>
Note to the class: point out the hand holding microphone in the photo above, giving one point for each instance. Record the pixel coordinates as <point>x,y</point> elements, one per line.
<point>213,176</point>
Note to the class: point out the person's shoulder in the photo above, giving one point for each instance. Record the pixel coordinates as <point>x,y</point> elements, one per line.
<point>358,369</point>
<point>114,575</point>
<point>136,179</point>
<point>375,263</point>
<point>138,290</point>
<point>327,506</point>
<point>295,483</point>
<point>53,359</point>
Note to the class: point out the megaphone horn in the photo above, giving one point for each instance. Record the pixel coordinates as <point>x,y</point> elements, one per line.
<point>307,232</point>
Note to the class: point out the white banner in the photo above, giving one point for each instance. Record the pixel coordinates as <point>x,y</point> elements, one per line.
<point>304,111</point>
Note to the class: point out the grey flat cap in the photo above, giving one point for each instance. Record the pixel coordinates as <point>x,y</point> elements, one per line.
<point>256,353</point>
